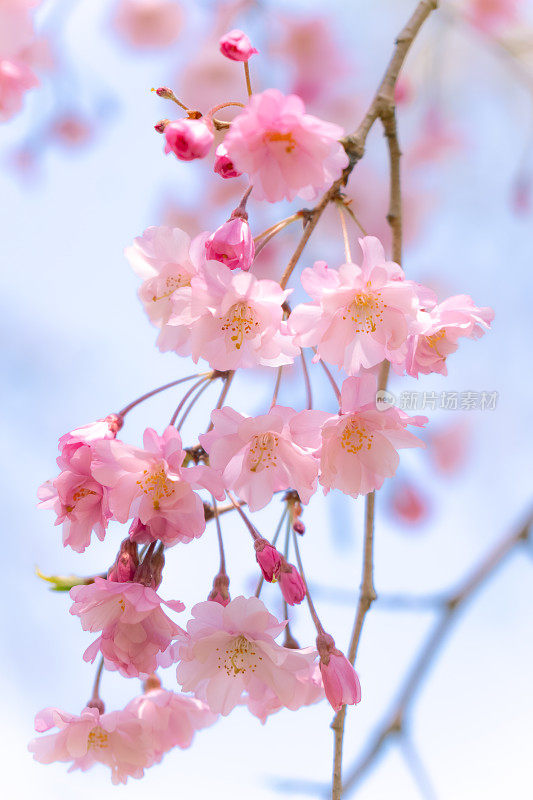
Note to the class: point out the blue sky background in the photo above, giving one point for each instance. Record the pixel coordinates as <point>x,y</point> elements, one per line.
<point>76,345</point>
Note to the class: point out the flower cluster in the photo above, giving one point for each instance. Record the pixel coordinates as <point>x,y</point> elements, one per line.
<point>208,303</point>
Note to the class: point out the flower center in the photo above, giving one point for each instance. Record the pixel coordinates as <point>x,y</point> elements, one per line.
<point>365,311</point>
<point>240,324</point>
<point>78,495</point>
<point>435,339</point>
<point>97,738</point>
<point>276,136</point>
<point>156,484</point>
<point>263,452</point>
<point>238,657</point>
<point>355,436</point>
<point>169,285</point>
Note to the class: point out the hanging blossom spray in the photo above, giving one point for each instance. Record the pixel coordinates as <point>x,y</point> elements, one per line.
<point>207,303</point>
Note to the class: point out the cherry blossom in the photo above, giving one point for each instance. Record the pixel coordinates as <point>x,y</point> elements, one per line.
<point>106,428</point>
<point>148,23</point>
<point>361,315</point>
<point>230,652</point>
<point>223,165</point>
<point>171,718</point>
<point>236,46</point>
<point>360,444</point>
<point>79,501</point>
<point>232,244</point>
<point>341,683</point>
<point>134,627</point>
<point>16,78</point>
<point>291,583</point>
<point>188,139</point>
<point>152,485</point>
<point>285,151</point>
<point>258,456</point>
<point>309,690</point>
<point>119,740</point>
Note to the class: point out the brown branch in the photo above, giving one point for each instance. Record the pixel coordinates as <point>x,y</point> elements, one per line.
<point>395,722</point>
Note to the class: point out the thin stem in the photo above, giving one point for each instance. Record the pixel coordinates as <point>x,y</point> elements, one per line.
<point>345,238</point>
<point>146,396</point>
<point>193,402</point>
<point>96,685</point>
<point>169,95</point>
<point>253,530</point>
<point>279,226</point>
<point>307,381</point>
<point>247,77</point>
<point>276,387</point>
<point>350,211</point>
<point>330,378</point>
<point>273,543</point>
<point>186,397</point>
<point>222,568</point>
<point>223,394</point>
<point>312,609</point>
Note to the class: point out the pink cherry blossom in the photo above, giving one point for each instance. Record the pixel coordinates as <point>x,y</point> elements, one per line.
<point>171,718</point>
<point>258,456</point>
<point>152,485</point>
<point>79,501</point>
<point>360,444</point>
<point>236,46</point>
<point>291,583</point>
<point>436,333</point>
<point>166,259</point>
<point>361,315</point>
<point>237,320</point>
<point>15,80</point>
<point>223,165</point>
<point>148,23</point>
<point>119,740</point>
<point>341,683</point>
<point>106,428</point>
<point>134,627</point>
<point>268,558</point>
<point>188,139</point>
<point>408,503</point>
<point>285,151</point>
<point>232,244</point>
<point>309,689</point>
<point>230,653</point>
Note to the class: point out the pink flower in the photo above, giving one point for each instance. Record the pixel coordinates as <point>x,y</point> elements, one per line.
<point>268,559</point>
<point>285,151</point>
<point>361,315</point>
<point>258,456</point>
<point>309,690</point>
<point>166,260</point>
<point>15,80</point>
<point>492,15</point>
<point>408,503</point>
<point>148,23</point>
<point>80,501</point>
<point>151,484</point>
<point>360,444</point>
<point>230,653</point>
<point>118,739</point>
<point>436,333</point>
<point>188,139</point>
<point>341,683</point>
<point>291,583</point>
<point>126,563</point>
<point>223,165</point>
<point>236,46</point>
<point>237,320</point>
<point>172,719</point>
<point>135,630</point>
<point>106,428</point>
<point>232,244</point>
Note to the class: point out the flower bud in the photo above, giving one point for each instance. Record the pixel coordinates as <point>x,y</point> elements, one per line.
<point>268,559</point>
<point>151,682</point>
<point>188,139</point>
<point>341,683</point>
<point>219,592</point>
<point>298,527</point>
<point>161,125</point>
<point>125,564</point>
<point>140,533</point>
<point>232,244</point>
<point>291,583</point>
<point>223,165</point>
<point>150,572</point>
<point>236,46</point>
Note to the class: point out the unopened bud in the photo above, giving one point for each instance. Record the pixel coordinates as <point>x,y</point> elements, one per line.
<point>126,563</point>
<point>219,593</point>
<point>151,682</point>
<point>291,583</point>
<point>95,702</point>
<point>298,527</point>
<point>161,125</point>
<point>268,559</point>
<point>165,92</point>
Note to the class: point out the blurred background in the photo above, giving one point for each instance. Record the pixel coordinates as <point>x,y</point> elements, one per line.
<point>82,172</point>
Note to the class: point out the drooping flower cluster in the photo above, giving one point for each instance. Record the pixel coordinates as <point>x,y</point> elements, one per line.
<point>208,304</point>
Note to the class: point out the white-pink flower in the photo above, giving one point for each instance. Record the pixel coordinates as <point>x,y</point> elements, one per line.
<point>166,260</point>
<point>171,718</point>
<point>152,485</point>
<point>230,653</point>
<point>148,23</point>
<point>79,501</point>
<point>361,315</point>
<point>237,320</point>
<point>258,456</point>
<point>360,444</point>
<point>436,333</point>
<point>309,689</point>
<point>119,740</point>
<point>285,151</point>
<point>135,629</point>
<point>106,428</point>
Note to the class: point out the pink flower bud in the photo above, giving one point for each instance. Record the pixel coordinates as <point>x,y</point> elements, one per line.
<point>125,564</point>
<point>298,527</point>
<point>341,683</point>
<point>232,244</point>
<point>150,572</point>
<point>236,46</point>
<point>268,559</point>
<point>161,125</point>
<point>291,583</point>
<point>219,592</point>
<point>224,165</point>
<point>140,533</point>
<point>188,139</point>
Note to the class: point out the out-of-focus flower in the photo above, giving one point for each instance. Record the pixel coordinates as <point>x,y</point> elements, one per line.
<point>15,80</point>
<point>408,503</point>
<point>148,23</point>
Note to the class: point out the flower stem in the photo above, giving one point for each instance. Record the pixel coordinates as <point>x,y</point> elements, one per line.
<point>142,398</point>
<point>186,396</point>
<point>247,78</point>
